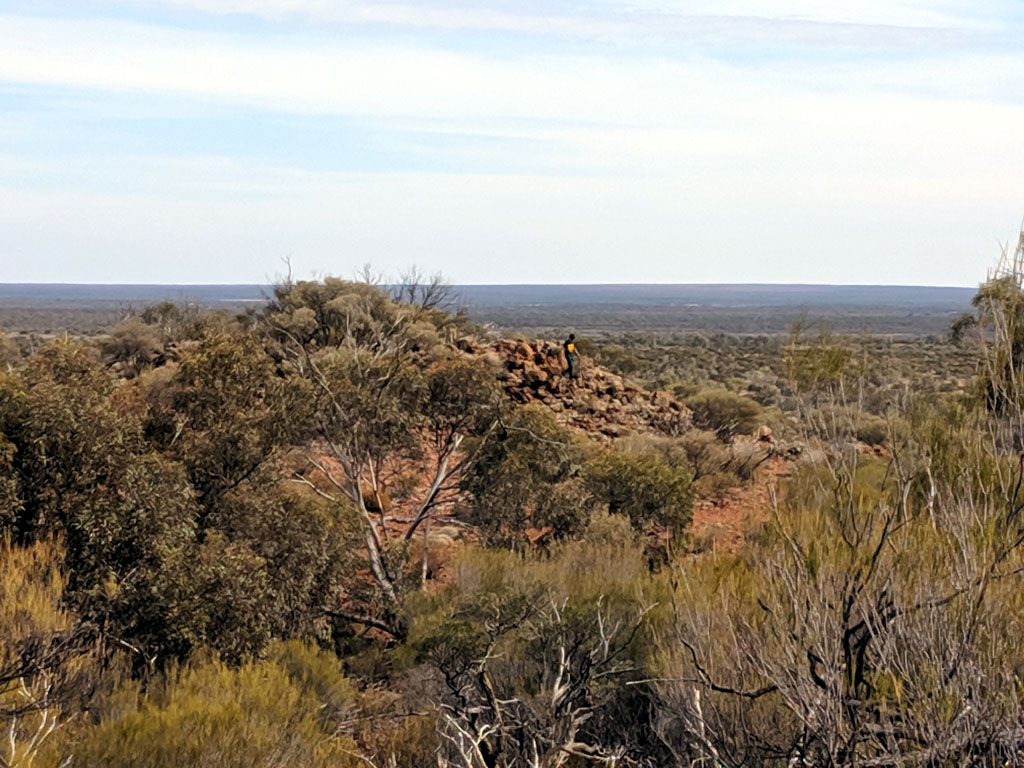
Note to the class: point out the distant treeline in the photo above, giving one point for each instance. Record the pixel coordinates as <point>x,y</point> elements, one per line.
<point>908,311</point>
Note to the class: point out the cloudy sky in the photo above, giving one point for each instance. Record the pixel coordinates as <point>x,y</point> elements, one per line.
<point>502,141</point>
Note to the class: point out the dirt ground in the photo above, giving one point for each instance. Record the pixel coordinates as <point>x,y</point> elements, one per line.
<point>720,524</point>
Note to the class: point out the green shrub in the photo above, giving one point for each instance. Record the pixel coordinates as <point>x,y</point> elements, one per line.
<point>526,476</point>
<point>724,412</point>
<point>873,430</point>
<point>174,322</point>
<point>643,486</point>
<point>282,712</point>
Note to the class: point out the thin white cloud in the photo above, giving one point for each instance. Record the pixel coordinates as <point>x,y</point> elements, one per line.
<point>920,14</point>
<point>868,171</point>
<point>583,115</point>
<point>867,22</point>
<point>347,77</point>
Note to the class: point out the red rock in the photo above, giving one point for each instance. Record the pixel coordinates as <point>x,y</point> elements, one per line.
<point>598,403</point>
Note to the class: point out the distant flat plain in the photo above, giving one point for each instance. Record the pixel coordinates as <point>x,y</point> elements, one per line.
<point>903,311</point>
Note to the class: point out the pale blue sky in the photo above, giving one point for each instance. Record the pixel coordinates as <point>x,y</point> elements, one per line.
<point>872,142</point>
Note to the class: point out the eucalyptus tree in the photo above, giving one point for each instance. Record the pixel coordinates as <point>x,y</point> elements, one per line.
<point>393,401</point>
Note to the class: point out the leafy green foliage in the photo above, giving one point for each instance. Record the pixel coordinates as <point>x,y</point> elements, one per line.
<point>174,548</point>
<point>873,430</point>
<point>306,551</point>
<point>59,413</point>
<point>642,485</point>
<point>461,397</point>
<point>85,471</point>
<point>389,398</point>
<point>724,412</point>
<point>358,315</point>
<point>527,476</point>
<point>228,411</point>
<point>10,499</point>
<point>173,321</point>
<point>283,711</point>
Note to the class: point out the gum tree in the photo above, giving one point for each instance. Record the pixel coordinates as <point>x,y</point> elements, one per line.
<point>393,402</point>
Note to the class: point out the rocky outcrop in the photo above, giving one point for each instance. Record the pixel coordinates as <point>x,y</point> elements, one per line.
<point>598,402</point>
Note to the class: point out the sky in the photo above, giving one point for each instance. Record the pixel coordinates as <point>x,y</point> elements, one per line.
<point>501,141</point>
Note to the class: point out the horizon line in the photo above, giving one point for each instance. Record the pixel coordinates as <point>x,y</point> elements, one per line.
<point>510,285</point>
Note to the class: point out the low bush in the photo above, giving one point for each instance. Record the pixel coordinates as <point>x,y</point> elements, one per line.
<point>132,346</point>
<point>289,710</point>
<point>642,485</point>
<point>705,453</point>
<point>873,430</point>
<point>725,413</point>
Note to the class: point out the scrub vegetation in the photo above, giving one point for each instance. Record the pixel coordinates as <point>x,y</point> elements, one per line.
<point>321,533</point>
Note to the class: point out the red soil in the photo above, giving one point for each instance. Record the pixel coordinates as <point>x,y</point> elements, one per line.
<point>721,524</point>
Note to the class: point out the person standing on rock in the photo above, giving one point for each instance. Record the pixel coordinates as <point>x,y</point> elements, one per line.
<point>571,361</point>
